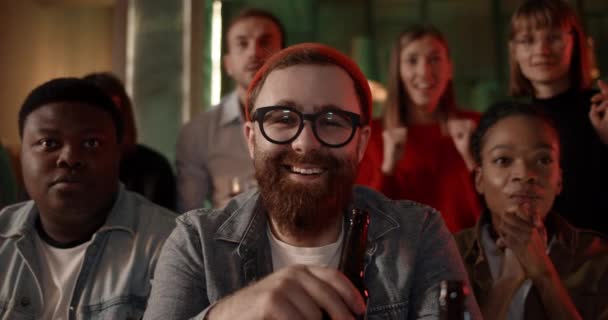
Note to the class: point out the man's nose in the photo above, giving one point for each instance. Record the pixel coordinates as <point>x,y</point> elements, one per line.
<point>254,49</point>
<point>70,157</point>
<point>306,140</point>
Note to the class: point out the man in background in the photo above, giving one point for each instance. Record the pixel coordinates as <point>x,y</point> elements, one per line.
<point>211,158</point>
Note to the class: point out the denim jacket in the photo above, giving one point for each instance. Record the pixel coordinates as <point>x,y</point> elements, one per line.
<point>114,281</point>
<point>213,253</point>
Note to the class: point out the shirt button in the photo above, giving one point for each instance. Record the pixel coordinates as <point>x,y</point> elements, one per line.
<point>25,301</point>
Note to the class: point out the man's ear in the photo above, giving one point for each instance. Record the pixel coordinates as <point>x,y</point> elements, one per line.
<point>364,135</point>
<point>249,130</point>
<point>478,177</point>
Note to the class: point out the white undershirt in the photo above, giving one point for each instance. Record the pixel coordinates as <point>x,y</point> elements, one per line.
<point>59,272</point>
<point>494,257</point>
<point>284,255</point>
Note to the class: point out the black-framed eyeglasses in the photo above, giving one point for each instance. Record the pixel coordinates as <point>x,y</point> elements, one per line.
<point>281,125</point>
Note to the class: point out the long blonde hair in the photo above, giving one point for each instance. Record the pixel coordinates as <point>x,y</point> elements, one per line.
<point>398,101</point>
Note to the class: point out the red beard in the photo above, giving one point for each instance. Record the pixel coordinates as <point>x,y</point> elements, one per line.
<point>303,209</point>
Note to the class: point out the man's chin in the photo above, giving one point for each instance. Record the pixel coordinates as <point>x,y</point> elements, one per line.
<point>301,203</point>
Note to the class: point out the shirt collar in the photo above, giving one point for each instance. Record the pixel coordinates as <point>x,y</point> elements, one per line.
<point>122,216</point>
<point>231,109</point>
<point>18,222</point>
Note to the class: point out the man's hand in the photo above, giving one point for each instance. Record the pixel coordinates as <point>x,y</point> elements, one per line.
<point>597,113</point>
<point>461,130</point>
<point>295,292</point>
<point>394,148</point>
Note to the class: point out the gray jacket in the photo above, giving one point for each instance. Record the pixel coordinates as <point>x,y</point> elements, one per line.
<point>213,253</point>
<point>114,282</point>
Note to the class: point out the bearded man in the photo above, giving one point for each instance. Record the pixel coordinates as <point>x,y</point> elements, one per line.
<point>273,253</point>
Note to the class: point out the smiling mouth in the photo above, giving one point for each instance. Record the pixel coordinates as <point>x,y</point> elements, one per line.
<point>424,86</point>
<point>309,171</point>
<point>544,64</point>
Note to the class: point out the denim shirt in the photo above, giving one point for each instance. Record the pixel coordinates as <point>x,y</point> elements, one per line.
<point>114,281</point>
<point>213,253</point>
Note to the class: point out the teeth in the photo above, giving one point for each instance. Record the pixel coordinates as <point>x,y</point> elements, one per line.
<point>424,86</point>
<point>308,171</point>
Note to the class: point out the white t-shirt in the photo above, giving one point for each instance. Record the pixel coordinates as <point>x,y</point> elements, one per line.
<point>284,255</point>
<point>59,272</point>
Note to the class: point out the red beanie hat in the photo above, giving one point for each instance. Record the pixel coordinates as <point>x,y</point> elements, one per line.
<point>312,54</point>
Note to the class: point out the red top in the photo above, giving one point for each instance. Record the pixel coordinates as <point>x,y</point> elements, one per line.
<point>431,172</point>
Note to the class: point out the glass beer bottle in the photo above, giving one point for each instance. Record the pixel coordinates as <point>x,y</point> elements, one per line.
<point>452,296</point>
<point>352,258</point>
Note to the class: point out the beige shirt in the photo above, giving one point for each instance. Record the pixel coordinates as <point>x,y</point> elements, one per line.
<point>212,158</point>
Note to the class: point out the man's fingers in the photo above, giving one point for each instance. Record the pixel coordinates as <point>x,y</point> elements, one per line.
<point>303,292</point>
<point>305,304</point>
<point>284,308</point>
<point>344,289</point>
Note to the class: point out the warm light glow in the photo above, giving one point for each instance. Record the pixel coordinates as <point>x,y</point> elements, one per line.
<point>130,48</point>
<point>216,52</point>
<point>379,93</point>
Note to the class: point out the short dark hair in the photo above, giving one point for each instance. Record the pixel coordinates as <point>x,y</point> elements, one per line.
<point>502,110</point>
<point>69,90</point>
<point>256,13</point>
<point>314,54</point>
